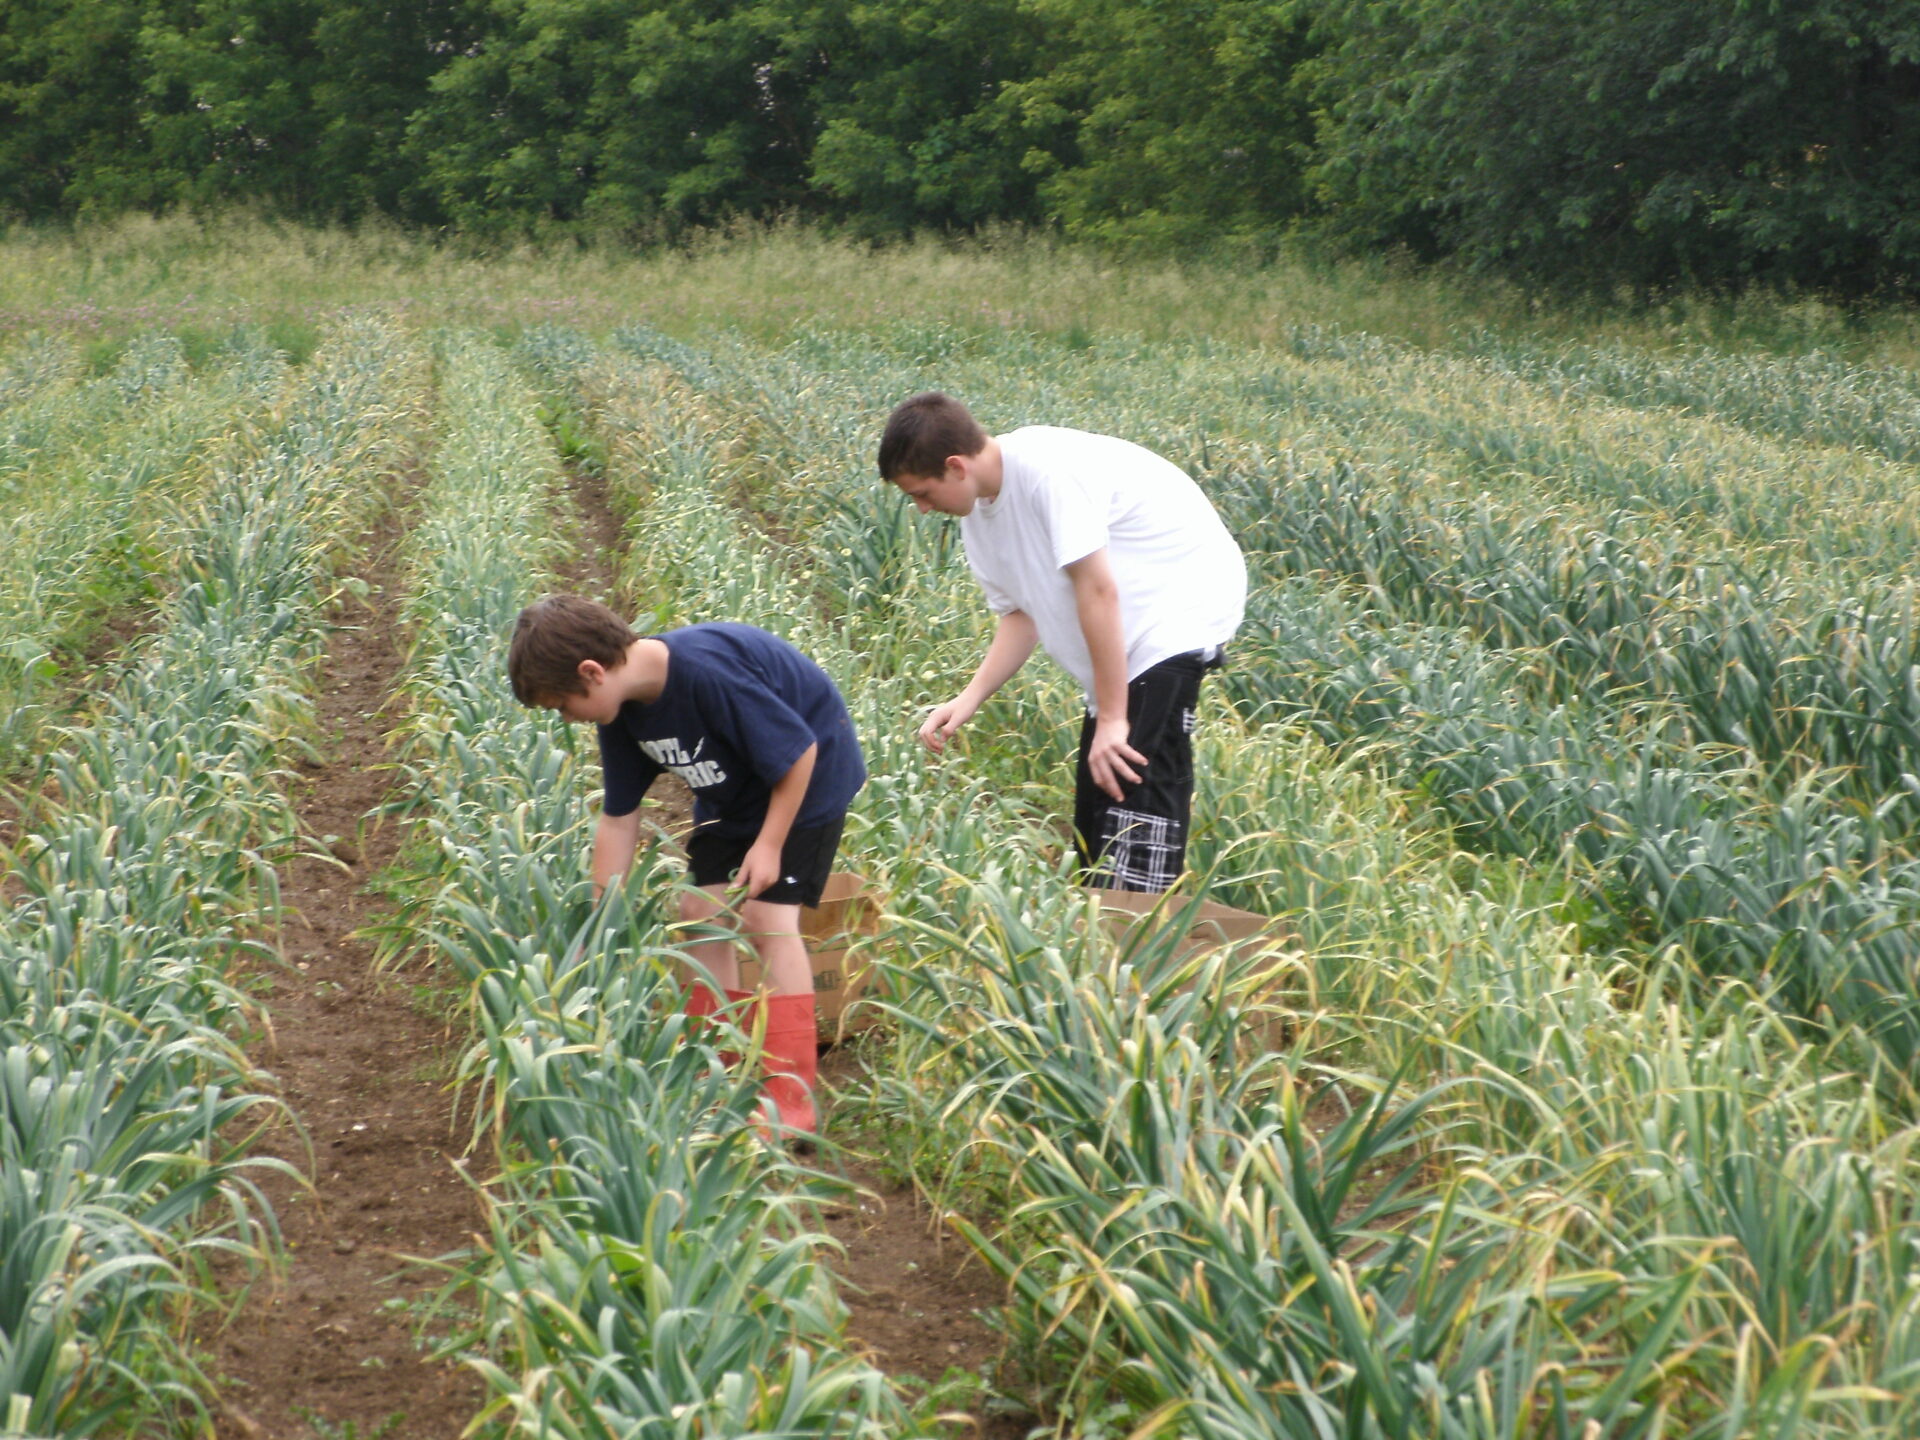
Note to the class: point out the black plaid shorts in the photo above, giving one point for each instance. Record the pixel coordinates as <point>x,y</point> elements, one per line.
<point>1140,843</point>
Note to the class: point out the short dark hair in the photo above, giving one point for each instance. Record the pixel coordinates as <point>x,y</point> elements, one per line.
<point>923,431</point>
<point>551,638</point>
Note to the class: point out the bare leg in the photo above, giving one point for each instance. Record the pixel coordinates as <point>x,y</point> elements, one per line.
<point>719,958</point>
<point>774,932</point>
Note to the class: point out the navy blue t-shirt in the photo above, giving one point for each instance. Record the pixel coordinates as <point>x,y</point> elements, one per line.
<point>739,707</point>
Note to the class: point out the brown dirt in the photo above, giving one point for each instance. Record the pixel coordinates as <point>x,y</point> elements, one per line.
<point>364,1067</point>
<point>914,1292</point>
<point>112,638</point>
<point>590,571</point>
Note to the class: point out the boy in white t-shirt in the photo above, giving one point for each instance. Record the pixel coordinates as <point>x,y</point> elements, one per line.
<point>1110,557</point>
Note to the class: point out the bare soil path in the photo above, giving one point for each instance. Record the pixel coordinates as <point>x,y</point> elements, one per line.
<point>331,1351</point>
<point>914,1292</point>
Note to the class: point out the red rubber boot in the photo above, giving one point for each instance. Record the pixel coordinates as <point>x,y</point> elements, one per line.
<point>742,1019</point>
<point>791,1056</point>
<point>702,1005</point>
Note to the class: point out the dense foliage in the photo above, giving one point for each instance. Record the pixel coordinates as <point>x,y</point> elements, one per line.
<point>1636,142</point>
<point>1635,139</point>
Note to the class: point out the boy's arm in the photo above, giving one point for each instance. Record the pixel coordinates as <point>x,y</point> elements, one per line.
<point>1013,641</point>
<point>616,840</point>
<point>761,867</point>
<point>1110,759</point>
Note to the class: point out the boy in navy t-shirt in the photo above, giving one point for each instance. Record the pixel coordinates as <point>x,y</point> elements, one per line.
<point>762,738</point>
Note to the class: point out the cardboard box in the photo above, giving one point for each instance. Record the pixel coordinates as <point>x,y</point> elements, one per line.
<point>1209,926</point>
<point>848,910</point>
<point>1212,924</point>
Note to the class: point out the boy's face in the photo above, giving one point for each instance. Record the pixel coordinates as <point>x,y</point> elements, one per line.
<point>598,705</point>
<point>952,493</point>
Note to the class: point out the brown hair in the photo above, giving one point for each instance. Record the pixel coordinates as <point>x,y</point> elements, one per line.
<point>551,638</point>
<point>923,431</point>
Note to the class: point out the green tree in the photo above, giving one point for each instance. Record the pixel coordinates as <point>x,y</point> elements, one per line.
<point>913,127</point>
<point>1168,121</point>
<point>70,109</point>
<point>299,104</point>
<point>1626,141</point>
<point>622,113</point>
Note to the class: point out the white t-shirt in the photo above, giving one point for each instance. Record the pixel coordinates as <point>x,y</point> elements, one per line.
<point>1065,494</point>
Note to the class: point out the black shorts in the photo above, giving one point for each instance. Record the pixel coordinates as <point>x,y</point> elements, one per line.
<point>806,860</point>
<point>1140,843</point>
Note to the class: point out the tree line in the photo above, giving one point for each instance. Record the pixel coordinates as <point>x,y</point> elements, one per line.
<point>1610,142</point>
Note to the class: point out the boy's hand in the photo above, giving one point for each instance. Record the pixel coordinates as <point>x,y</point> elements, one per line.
<point>757,871</point>
<point>942,723</point>
<point>1111,760</point>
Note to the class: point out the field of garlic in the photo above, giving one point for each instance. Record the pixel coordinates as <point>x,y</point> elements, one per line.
<point>1571,738</point>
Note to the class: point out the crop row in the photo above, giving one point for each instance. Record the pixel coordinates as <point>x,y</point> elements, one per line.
<point>1726,752</point>
<point>144,869</point>
<point>1817,397</point>
<point>89,473</point>
<point>650,1272</point>
<point>1445,423</point>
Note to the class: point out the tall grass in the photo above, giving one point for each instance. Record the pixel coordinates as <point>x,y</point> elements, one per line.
<point>182,271</point>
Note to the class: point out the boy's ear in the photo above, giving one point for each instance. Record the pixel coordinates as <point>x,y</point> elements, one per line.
<point>957,466</point>
<point>592,671</point>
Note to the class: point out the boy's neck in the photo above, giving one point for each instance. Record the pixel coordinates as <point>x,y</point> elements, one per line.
<point>644,673</point>
<point>988,471</point>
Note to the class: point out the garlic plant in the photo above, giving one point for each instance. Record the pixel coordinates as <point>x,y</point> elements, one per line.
<point>90,474</point>
<point>647,1274</point>
<point>1640,1196</point>
<point>143,868</point>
